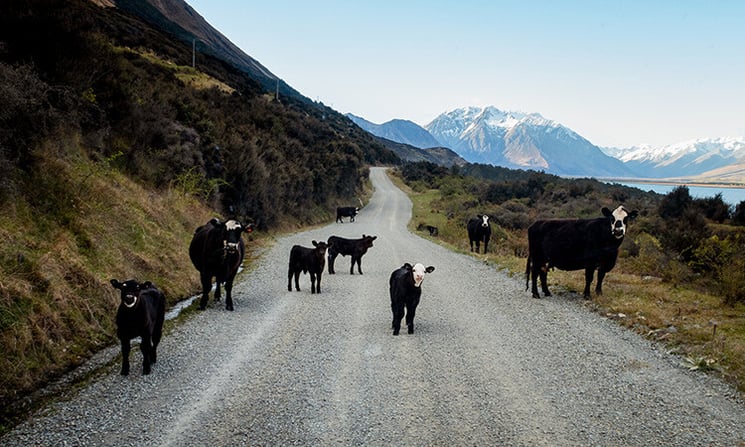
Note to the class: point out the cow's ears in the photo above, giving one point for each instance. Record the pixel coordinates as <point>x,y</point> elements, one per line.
<point>116,284</point>
<point>249,228</point>
<point>430,269</point>
<point>146,285</point>
<point>407,266</point>
<point>315,244</point>
<point>606,212</point>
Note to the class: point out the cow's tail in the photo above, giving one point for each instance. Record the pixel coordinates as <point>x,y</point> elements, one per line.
<point>527,273</point>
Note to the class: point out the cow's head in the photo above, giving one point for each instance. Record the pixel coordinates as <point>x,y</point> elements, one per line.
<point>418,271</point>
<point>321,247</point>
<point>618,219</point>
<point>367,241</point>
<point>130,291</point>
<point>484,220</point>
<point>231,233</point>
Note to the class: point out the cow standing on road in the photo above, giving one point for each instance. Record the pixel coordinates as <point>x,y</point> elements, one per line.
<point>349,247</point>
<point>479,231</point>
<point>346,211</point>
<point>217,250</point>
<point>575,244</point>
<point>307,260</point>
<point>405,287</point>
<point>141,313</point>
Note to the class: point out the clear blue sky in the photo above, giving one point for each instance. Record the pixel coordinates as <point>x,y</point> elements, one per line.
<point>620,73</point>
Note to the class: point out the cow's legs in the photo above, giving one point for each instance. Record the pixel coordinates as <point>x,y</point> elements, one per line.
<point>410,313</point>
<point>218,294</point>
<point>228,294</point>
<point>589,273</point>
<point>357,261</point>
<point>313,283</point>
<point>297,280</point>
<point>145,348</point>
<point>486,243</point>
<point>332,258</point>
<point>157,333</point>
<point>599,286</point>
<point>206,286</point>
<point>398,315</point>
<point>125,357</point>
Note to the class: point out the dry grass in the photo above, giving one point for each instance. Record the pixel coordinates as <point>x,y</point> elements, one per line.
<point>56,305</point>
<point>707,334</point>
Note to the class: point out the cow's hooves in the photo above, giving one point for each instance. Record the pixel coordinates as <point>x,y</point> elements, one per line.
<point>411,331</point>
<point>202,307</point>
<point>230,308</point>
<point>395,332</point>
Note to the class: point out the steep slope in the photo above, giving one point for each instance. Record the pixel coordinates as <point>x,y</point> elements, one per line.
<point>518,140</point>
<point>688,158</point>
<point>401,131</point>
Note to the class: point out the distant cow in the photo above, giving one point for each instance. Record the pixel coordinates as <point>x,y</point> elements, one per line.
<point>349,247</point>
<point>405,287</point>
<point>141,314</point>
<point>217,250</point>
<point>575,244</point>
<point>346,211</point>
<point>433,231</point>
<point>479,231</point>
<point>307,260</point>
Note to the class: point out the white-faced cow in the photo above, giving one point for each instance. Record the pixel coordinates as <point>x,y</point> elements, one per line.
<point>141,314</point>
<point>575,244</point>
<point>405,287</point>
<point>479,231</point>
<point>352,247</point>
<point>217,250</point>
<point>346,211</point>
<point>307,260</point>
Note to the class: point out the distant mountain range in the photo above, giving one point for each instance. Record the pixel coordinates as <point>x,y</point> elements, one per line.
<point>529,141</point>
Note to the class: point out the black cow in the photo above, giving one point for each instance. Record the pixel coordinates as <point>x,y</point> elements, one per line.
<point>141,314</point>
<point>479,231</point>
<point>405,287</point>
<point>217,250</point>
<point>575,244</point>
<point>346,211</point>
<point>433,231</point>
<point>307,260</point>
<point>352,247</point>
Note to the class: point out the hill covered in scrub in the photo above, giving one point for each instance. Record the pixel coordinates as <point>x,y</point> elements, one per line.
<point>113,149</point>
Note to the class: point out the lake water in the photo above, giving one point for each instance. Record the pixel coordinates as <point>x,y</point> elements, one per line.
<point>732,196</point>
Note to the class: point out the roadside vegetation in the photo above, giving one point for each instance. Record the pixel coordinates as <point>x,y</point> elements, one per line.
<point>680,278</point>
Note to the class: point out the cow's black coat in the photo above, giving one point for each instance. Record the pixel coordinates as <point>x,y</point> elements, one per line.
<point>349,247</point>
<point>307,260</point>
<point>141,314</point>
<point>346,211</point>
<point>479,231</point>
<point>217,250</point>
<point>575,244</point>
<point>406,293</point>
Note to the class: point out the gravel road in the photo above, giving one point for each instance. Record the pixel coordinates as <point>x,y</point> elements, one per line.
<point>487,365</point>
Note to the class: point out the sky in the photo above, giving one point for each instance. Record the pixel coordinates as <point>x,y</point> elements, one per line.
<point>619,73</point>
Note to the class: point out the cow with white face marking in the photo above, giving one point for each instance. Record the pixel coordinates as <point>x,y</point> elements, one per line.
<point>405,288</point>
<point>575,244</point>
<point>479,231</point>
<point>217,250</point>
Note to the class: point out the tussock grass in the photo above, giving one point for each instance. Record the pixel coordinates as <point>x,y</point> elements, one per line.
<point>708,334</point>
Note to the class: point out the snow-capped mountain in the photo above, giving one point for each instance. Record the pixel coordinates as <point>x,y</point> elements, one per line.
<point>521,140</point>
<point>398,130</point>
<point>689,158</point>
